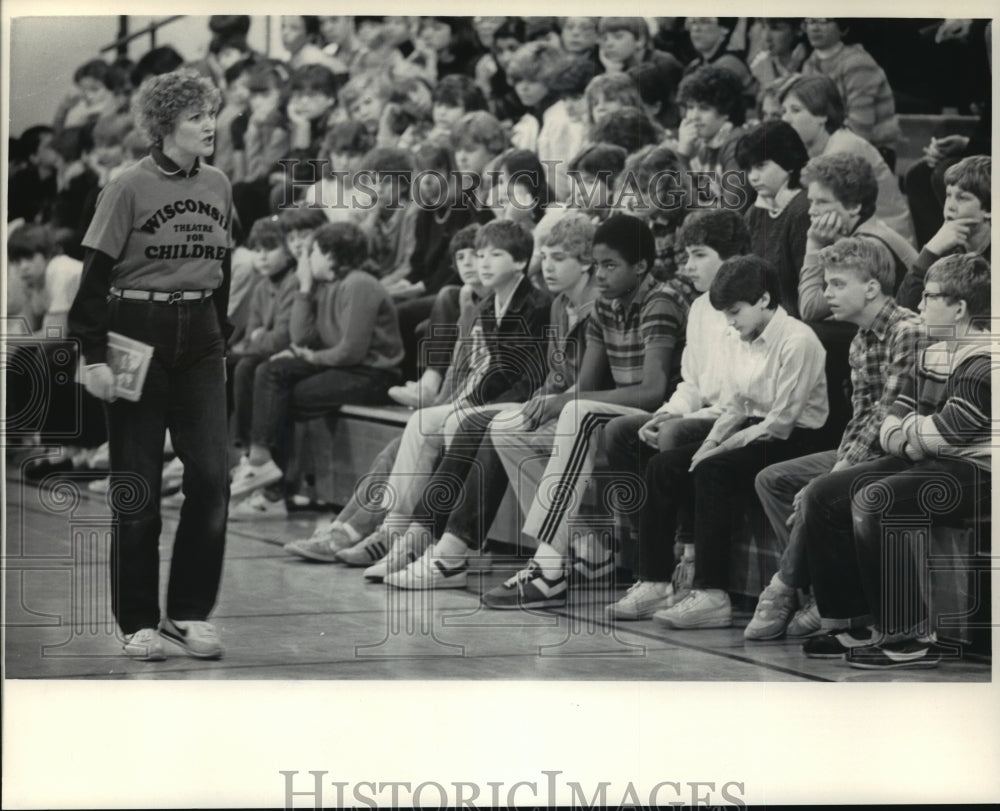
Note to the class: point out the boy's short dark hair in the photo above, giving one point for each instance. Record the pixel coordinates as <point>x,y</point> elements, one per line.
<point>506,235</point>
<point>389,159</point>
<point>850,178</point>
<point>238,68</point>
<point>636,26</point>
<point>314,77</point>
<point>570,79</point>
<point>776,141</point>
<point>464,239</point>
<point>597,159</point>
<point>972,174</point>
<point>820,97</point>
<point>479,128</point>
<point>155,62</point>
<point>535,62</point>
<point>744,279</point>
<point>536,28</point>
<point>720,229</point>
<point>964,276</point>
<point>866,258</point>
<point>346,243</point>
<point>267,233</point>
<point>629,236</point>
<point>94,69</point>
<point>32,138</point>
<point>351,137</point>
<point>29,240</point>
<point>655,82</point>
<point>629,128</point>
<point>718,88</point>
<point>459,90</point>
<point>301,219</point>
<point>512,28</point>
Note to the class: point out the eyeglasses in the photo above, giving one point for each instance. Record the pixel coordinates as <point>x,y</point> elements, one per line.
<point>925,296</point>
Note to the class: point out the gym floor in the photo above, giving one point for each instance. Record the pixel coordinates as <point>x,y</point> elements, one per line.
<point>284,618</point>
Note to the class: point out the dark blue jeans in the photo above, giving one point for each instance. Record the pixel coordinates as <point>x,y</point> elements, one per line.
<point>184,391</point>
<point>290,389</point>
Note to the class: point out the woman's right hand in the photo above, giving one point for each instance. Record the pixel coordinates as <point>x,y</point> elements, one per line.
<point>99,381</point>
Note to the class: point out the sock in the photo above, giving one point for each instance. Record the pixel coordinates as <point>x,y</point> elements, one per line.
<point>550,561</point>
<point>688,551</point>
<point>452,548</point>
<point>780,584</point>
<point>350,531</point>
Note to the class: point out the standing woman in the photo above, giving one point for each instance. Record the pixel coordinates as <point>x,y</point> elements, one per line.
<point>157,269</point>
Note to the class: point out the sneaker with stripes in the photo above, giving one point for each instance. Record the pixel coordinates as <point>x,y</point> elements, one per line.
<point>529,588</point>
<point>430,572</point>
<point>368,550</point>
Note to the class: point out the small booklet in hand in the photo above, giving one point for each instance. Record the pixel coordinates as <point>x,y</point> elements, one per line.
<point>129,360</point>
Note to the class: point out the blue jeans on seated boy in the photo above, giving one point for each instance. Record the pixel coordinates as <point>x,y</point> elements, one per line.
<point>853,517</point>
<point>290,389</point>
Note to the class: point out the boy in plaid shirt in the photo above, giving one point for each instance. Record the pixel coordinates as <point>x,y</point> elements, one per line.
<point>860,277</point>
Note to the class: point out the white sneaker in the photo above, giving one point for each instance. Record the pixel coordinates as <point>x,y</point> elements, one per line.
<point>406,548</point>
<point>368,550</point>
<point>430,572</point>
<point>806,620</point>
<point>324,545</point>
<point>770,618</point>
<point>641,601</point>
<point>708,608</point>
<point>258,506</point>
<point>244,462</point>
<point>197,637</point>
<point>145,645</point>
<point>253,477</point>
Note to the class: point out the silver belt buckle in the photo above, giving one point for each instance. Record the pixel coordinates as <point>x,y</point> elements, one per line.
<point>176,296</point>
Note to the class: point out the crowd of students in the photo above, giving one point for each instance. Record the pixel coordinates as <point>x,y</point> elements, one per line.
<point>683,243</point>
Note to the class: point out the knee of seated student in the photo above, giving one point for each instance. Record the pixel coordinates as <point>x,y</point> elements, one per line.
<point>509,421</point>
<point>674,433</point>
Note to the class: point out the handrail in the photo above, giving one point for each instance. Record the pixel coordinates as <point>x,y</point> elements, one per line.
<point>150,29</point>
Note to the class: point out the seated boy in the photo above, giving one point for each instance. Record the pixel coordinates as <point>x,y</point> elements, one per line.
<point>714,111</point>
<point>365,512</point>
<point>471,457</point>
<point>938,434</point>
<point>632,338</point>
<point>345,349</point>
<point>267,333</point>
<point>774,405</point>
<point>505,342</point>
<point>859,277</point>
<point>709,238</point>
<point>843,192</point>
<point>966,228</point>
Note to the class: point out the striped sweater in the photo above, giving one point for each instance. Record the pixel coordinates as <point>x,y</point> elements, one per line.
<point>946,410</point>
<point>868,99</point>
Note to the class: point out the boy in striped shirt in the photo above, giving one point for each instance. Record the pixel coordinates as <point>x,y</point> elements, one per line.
<point>633,342</point>
<point>938,437</point>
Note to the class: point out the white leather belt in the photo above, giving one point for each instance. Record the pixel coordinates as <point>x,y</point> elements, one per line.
<point>164,298</point>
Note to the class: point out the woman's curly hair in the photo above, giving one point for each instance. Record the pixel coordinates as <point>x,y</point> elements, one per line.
<point>161,100</point>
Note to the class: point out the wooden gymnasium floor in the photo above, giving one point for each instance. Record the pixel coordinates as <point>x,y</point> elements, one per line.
<point>283,618</point>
